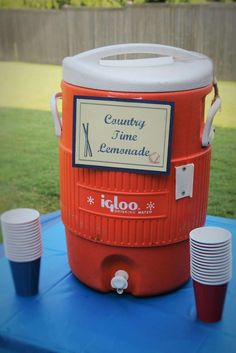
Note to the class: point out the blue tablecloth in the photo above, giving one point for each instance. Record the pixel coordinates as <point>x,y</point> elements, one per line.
<point>67,316</point>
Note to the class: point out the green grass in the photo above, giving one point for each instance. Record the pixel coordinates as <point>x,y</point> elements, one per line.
<point>28,86</point>
<point>222,193</point>
<point>29,160</point>
<point>29,148</point>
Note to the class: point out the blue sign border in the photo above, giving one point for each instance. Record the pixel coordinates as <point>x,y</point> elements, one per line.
<point>134,100</point>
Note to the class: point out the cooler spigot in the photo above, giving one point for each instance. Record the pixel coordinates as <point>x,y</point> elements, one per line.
<point>120,281</point>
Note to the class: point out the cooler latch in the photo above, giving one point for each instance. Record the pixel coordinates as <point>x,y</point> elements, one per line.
<point>184,181</point>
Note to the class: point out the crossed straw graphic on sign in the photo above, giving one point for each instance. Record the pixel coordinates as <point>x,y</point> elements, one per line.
<point>87,147</point>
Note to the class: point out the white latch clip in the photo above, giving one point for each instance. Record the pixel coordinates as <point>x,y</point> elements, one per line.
<point>184,181</point>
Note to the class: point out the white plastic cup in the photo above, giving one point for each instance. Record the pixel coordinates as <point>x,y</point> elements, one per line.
<point>21,234</point>
<point>208,255</point>
<point>211,274</point>
<point>210,235</point>
<point>21,229</point>
<point>23,249</point>
<point>24,242</point>
<point>211,258</point>
<point>18,240</point>
<point>24,258</point>
<point>20,216</point>
<point>211,247</point>
<point>211,268</point>
<point>206,274</point>
<point>217,282</point>
<point>211,281</point>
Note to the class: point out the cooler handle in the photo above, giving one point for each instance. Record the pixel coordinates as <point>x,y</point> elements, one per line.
<point>55,114</point>
<point>97,55</point>
<point>208,132</point>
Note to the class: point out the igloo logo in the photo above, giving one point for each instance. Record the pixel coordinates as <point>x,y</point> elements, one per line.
<point>116,204</point>
<point>130,205</point>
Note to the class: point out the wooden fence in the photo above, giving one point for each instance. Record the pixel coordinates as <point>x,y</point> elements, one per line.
<point>48,36</point>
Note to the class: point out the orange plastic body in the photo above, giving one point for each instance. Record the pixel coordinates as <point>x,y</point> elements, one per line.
<point>151,247</point>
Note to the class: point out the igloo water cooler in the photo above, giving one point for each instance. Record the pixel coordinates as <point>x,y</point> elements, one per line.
<point>134,164</point>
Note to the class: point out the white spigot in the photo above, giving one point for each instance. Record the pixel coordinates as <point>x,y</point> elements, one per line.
<point>120,281</point>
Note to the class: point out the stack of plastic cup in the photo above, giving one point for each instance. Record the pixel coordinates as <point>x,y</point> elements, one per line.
<point>211,270</point>
<point>23,248</point>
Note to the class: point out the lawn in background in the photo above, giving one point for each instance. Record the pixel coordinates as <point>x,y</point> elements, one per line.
<point>29,160</point>
<point>29,148</point>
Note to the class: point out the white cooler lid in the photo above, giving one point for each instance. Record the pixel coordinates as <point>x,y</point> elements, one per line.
<point>174,69</point>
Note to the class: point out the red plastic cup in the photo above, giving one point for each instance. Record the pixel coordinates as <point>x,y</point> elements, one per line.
<point>209,301</point>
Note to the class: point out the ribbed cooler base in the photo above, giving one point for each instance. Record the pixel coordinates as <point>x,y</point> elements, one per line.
<point>152,271</point>
<point>179,217</point>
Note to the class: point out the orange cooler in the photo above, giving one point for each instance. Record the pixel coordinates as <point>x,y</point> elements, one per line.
<point>134,164</point>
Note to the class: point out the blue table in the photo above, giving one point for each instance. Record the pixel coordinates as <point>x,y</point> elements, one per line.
<point>68,317</point>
